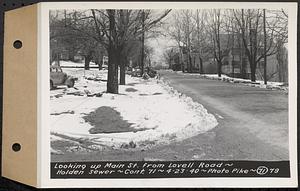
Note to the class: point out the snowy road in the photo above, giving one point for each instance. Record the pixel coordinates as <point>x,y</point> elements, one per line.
<point>252,125</point>
<point>253,122</point>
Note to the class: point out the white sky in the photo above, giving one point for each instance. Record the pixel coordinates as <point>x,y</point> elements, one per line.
<point>159,46</point>
<point>161,43</point>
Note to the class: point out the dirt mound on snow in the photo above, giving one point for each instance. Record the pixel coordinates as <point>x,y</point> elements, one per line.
<point>108,120</point>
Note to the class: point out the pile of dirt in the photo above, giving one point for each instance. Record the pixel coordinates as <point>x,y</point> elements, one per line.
<point>107,120</point>
<point>131,90</point>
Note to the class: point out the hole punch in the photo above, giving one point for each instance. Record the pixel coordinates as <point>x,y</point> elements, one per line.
<point>17,44</point>
<point>16,147</point>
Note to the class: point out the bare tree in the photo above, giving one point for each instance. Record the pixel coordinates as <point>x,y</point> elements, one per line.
<point>175,32</point>
<point>187,31</point>
<point>201,36</point>
<point>115,30</point>
<point>280,18</point>
<point>265,46</point>
<point>250,23</point>
<point>215,32</point>
<point>181,31</point>
<point>63,37</point>
<point>169,55</point>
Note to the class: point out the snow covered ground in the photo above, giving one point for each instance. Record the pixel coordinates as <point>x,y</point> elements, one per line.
<point>155,112</point>
<point>258,83</point>
<point>75,64</point>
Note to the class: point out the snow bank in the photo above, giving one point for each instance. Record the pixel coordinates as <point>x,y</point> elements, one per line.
<point>225,78</point>
<point>162,114</point>
<point>75,64</point>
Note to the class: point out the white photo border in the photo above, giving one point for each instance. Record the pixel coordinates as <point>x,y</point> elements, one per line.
<point>45,181</point>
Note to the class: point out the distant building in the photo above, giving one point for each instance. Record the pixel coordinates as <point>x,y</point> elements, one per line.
<point>235,61</point>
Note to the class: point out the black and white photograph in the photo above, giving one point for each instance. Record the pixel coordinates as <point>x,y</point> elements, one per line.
<point>146,94</point>
<point>157,85</point>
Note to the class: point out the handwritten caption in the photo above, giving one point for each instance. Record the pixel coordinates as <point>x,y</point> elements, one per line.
<point>168,169</point>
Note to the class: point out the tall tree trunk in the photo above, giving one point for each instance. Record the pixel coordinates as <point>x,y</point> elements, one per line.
<point>219,67</point>
<point>201,65</point>
<point>143,43</point>
<point>99,58</point>
<point>280,71</point>
<point>243,68</point>
<point>279,57</point>
<point>253,78</point>
<point>99,62</point>
<point>251,54</point>
<point>232,64</point>
<point>252,67</point>
<point>181,58</point>
<point>265,48</point>
<point>253,70</point>
<point>285,69</point>
<point>190,62</point>
<point>113,56</point>
<point>198,40</point>
<point>112,78</point>
<point>122,73</point>
<point>71,55</point>
<point>242,63</point>
<point>87,60</point>
<point>123,70</point>
<point>170,63</point>
<point>243,46</point>
<point>232,49</point>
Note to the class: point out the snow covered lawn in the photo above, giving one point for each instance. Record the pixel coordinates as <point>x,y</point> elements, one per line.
<point>144,113</point>
<point>258,83</point>
<point>75,64</point>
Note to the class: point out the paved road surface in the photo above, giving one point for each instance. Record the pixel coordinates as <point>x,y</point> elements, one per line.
<point>253,122</point>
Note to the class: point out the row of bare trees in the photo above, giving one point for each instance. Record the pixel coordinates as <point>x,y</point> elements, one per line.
<point>116,32</point>
<point>258,33</point>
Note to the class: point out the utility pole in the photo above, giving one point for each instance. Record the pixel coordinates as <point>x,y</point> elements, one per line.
<point>265,48</point>
<point>143,42</point>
